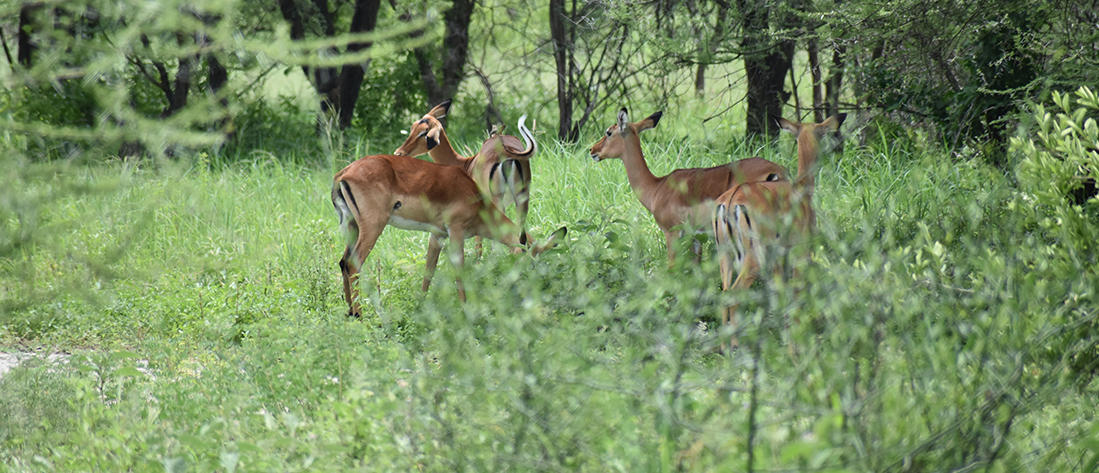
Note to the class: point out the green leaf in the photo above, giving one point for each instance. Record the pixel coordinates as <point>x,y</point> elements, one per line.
<point>127,371</point>
<point>196,443</point>
<point>229,461</point>
<point>123,355</point>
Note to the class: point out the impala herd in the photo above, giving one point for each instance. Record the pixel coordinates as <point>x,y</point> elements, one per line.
<point>755,213</point>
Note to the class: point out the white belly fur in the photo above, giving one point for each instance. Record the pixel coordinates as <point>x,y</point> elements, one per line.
<point>406,224</point>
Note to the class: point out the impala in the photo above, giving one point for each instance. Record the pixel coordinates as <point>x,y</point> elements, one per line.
<point>683,198</point>
<point>501,169</point>
<point>408,193</point>
<point>763,221</point>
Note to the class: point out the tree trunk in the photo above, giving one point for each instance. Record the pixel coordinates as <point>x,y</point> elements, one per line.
<point>492,115</point>
<point>454,53</point>
<point>835,80</point>
<point>350,81</point>
<point>700,80</point>
<point>339,87</point>
<point>711,46</point>
<point>292,15</point>
<point>814,72</point>
<point>835,85</point>
<point>765,65</point>
<point>177,99</point>
<point>217,78</point>
<point>766,92</point>
<point>25,53</point>
<point>7,52</point>
<point>561,50</point>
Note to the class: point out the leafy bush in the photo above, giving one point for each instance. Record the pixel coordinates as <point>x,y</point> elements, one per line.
<point>392,96</point>
<point>1058,162</point>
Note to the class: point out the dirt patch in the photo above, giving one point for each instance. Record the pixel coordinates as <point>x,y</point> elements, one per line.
<point>11,360</point>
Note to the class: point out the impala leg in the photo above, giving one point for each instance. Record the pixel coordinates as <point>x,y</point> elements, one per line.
<point>457,257</point>
<point>522,206</point>
<point>669,240</point>
<point>793,274</point>
<point>353,258</point>
<point>434,246</point>
<point>696,247</point>
<point>725,263</point>
<point>348,278</point>
<point>747,276</point>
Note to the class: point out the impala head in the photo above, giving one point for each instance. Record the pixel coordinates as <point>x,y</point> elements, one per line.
<point>809,134</point>
<point>424,134</point>
<point>613,143</point>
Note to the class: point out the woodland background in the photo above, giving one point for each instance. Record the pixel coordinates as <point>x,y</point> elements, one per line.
<point>165,225</point>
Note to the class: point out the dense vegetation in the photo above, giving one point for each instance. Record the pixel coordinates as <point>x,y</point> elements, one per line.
<point>178,245</point>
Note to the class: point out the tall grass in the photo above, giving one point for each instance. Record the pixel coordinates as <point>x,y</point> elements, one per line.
<point>931,332</point>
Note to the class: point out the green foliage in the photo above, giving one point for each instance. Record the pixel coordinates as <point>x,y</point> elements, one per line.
<point>974,102</point>
<point>946,322</point>
<point>940,326</point>
<point>38,266</point>
<point>273,129</point>
<point>1058,160</point>
<point>1064,151</point>
<point>164,77</point>
<point>391,98</point>
<point>35,400</point>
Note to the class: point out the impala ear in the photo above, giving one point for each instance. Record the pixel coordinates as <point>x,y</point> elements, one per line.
<point>833,122</point>
<point>787,125</point>
<point>433,136</point>
<point>650,122</point>
<point>441,110</point>
<point>550,241</point>
<point>623,120</point>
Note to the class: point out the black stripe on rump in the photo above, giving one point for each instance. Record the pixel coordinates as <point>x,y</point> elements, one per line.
<point>347,190</point>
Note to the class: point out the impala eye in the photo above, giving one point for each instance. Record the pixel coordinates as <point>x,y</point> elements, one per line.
<point>608,132</point>
<point>422,134</point>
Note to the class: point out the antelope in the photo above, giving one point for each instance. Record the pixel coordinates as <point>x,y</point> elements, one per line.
<point>763,221</point>
<point>404,192</point>
<point>683,198</point>
<point>501,169</point>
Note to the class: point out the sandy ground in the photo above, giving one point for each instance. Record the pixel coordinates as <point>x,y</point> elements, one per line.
<point>11,360</point>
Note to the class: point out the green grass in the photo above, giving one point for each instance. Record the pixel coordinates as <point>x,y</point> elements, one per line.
<point>936,331</point>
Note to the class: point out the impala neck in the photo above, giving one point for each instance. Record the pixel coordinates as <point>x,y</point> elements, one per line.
<point>637,171</point>
<point>808,152</point>
<point>444,153</point>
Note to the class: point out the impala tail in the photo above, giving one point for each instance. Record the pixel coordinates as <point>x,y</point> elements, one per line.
<point>528,141</point>
<point>341,193</point>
